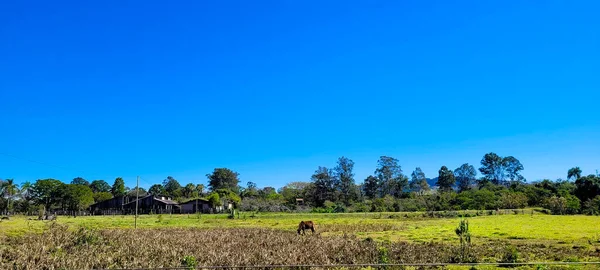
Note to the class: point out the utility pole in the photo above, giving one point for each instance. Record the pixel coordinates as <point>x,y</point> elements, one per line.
<point>137,197</point>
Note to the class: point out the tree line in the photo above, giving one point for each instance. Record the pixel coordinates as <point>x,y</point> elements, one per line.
<point>500,186</point>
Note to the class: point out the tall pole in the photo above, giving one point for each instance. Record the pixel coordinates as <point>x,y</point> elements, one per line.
<point>137,197</point>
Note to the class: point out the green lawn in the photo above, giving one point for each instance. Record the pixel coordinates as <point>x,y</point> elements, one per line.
<point>531,228</point>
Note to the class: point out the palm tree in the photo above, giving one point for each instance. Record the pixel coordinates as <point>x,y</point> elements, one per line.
<point>9,189</point>
<point>574,172</point>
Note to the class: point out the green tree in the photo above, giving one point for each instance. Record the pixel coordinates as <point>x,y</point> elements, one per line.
<point>223,178</point>
<point>8,190</point>
<point>370,187</point>
<point>118,188</point>
<point>512,200</point>
<point>100,186</point>
<point>324,188</point>
<point>47,191</point>
<point>587,187</point>
<point>250,190</point>
<point>491,168</point>
<point>78,197</point>
<point>172,187</point>
<point>445,179</point>
<point>189,191</point>
<point>391,179</point>
<point>418,182</point>
<point>512,167</point>
<point>200,189</point>
<point>465,176</point>
<point>157,189</point>
<point>345,179</point>
<point>102,196</point>
<point>214,199</point>
<point>574,172</point>
<point>80,181</point>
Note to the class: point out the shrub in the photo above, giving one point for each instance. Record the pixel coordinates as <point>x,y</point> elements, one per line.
<point>189,262</point>
<point>511,255</point>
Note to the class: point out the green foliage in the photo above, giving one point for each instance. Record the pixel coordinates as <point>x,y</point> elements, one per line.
<point>80,181</point>
<point>592,207</point>
<point>344,180</point>
<point>510,255</point>
<point>370,187</point>
<point>512,200</point>
<point>189,262</point>
<point>323,183</point>
<point>574,172</point>
<point>418,182</point>
<point>118,187</point>
<point>172,187</point>
<point>445,179</point>
<point>223,178</point>
<point>391,181</point>
<point>464,236</point>
<point>214,199</point>
<point>102,196</point>
<point>99,186</point>
<point>465,176</point>
<point>47,191</point>
<point>78,197</point>
<point>157,189</point>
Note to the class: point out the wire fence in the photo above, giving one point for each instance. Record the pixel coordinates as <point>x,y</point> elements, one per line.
<point>373,266</point>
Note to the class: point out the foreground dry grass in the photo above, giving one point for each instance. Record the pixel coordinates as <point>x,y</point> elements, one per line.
<point>60,248</point>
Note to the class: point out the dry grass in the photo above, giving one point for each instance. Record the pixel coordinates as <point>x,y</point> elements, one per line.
<point>58,248</point>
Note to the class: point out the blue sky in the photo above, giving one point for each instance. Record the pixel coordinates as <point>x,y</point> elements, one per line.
<point>273,89</point>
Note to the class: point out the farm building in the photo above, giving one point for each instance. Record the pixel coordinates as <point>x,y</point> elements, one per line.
<point>195,206</point>
<point>111,206</point>
<point>153,204</point>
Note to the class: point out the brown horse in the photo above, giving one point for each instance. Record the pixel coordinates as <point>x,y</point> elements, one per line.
<point>305,225</point>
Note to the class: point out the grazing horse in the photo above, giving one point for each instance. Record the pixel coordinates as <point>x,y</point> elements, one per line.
<point>305,225</point>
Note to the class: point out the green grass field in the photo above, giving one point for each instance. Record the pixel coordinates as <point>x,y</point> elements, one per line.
<point>550,229</point>
<point>105,241</point>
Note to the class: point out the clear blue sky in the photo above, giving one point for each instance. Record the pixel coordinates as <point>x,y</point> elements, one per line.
<point>273,89</point>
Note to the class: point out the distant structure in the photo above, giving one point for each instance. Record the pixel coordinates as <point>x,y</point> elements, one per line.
<point>156,204</point>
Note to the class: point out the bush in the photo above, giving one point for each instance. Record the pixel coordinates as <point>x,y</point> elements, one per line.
<point>189,262</point>
<point>511,255</point>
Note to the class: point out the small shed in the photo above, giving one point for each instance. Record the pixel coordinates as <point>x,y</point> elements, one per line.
<point>195,206</point>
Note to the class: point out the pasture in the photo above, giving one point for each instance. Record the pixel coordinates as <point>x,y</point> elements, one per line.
<point>166,240</point>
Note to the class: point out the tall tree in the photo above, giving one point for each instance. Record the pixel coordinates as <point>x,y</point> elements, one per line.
<point>512,168</point>
<point>371,186</point>
<point>445,179</point>
<point>345,179</point>
<point>118,187</point>
<point>78,197</point>
<point>418,182</point>
<point>587,187</point>
<point>465,176</point>
<point>172,187</point>
<point>491,168</point>
<point>223,178</point>
<point>389,174</point>
<point>251,190</point>
<point>189,191</point>
<point>157,189</point>
<point>47,191</point>
<point>200,189</point>
<point>574,172</point>
<point>80,181</point>
<point>9,190</point>
<point>100,186</point>
<point>323,182</point>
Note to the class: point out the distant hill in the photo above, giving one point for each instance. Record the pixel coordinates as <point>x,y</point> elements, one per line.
<point>432,181</point>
